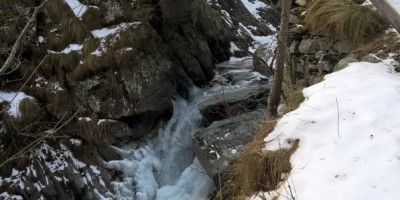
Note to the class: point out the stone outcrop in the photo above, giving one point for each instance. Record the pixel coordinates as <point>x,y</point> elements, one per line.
<point>232,103</point>
<point>221,142</point>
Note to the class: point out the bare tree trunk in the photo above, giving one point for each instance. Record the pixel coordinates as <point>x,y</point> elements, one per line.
<point>274,96</point>
<point>20,38</point>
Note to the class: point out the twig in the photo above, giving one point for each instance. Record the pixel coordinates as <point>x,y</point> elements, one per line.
<point>338,118</point>
<point>36,142</point>
<point>20,38</point>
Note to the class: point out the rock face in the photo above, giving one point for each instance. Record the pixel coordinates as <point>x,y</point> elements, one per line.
<point>263,57</point>
<point>55,174</point>
<point>217,145</point>
<point>225,105</point>
<point>111,71</point>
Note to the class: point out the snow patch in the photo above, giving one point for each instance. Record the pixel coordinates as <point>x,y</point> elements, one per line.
<point>14,99</point>
<point>76,6</point>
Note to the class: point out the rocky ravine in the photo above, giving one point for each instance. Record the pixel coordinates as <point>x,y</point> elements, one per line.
<point>110,69</point>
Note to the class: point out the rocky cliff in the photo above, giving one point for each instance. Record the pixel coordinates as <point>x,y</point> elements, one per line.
<point>92,73</point>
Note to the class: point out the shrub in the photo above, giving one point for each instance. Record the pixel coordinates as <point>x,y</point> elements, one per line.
<point>344,19</point>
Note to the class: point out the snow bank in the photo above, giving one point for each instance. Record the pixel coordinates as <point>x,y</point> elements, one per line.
<point>348,128</point>
<point>14,99</point>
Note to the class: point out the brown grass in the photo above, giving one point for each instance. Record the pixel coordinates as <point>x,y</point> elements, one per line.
<point>30,110</point>
<point>381,46</point>
<point>74,30</point>
<point>256,170</point>
<point>18,132</point>
<point>92,18</point>
<point>89,45</point>
<point>344,19</point>
<point>94,133</point>
<point>294,99</point>
<point>58,10</point>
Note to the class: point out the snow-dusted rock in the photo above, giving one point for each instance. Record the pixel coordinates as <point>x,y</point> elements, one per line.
<point>231,103</point>
<point>217,145</point>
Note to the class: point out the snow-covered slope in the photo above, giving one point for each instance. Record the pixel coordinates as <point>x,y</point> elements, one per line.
<point>348,128</point>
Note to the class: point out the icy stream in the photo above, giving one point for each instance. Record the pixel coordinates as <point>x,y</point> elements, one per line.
<point>165,167</point>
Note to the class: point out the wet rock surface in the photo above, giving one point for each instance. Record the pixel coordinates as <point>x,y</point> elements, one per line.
<point>231,103</point>
<point>223,141</point>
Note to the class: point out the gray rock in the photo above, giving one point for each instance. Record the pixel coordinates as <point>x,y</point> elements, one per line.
<point>237,77</point>
<point>294,47</point>
<point>344,47</point>
<point>370,58</point>
<point>231,103</point>
<point>311,46</point>
<point>150,84</point>
<point>262,58</point>
<point>343,63</point>
<point>294,19</point>
<point>217,145</point>
<point>192,51</point>
<point>325,66</point>
<point>319,54</point>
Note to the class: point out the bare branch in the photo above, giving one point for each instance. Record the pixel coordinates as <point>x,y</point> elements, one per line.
<point>20,38</point>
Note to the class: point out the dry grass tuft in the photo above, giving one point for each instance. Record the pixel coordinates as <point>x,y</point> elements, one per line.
<point>293,101</point>
<point>17,133</point>
<point>30,110</point>
<point>256,170</point>
<point>381,46</point>
<point>344,19</point>
<point>93,132</point>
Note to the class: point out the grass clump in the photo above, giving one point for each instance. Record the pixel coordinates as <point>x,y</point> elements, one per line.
<point>345,20</point>
<point>94,132</point>
<point>257,170</point>
<point>293,101</point>
<point>18,132</point>
<point>381,46</point>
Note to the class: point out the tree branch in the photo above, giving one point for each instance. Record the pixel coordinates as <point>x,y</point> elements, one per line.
<point>20,38</point>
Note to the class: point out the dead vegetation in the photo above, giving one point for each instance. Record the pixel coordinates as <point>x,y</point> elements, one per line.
<point>345,20</point>
<point>381,46</point>
<point>294,100</point>
<point>93,131</point>
<point>18,132</point>
<point>257,170</point>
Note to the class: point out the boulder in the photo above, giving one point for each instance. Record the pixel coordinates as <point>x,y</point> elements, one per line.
<point>343,63</point>
<point>232,103</point>
<point>311,46</point>
<point>191,50</point>
<point>371,58</point>
<point>294,47</point>
<point>294,19</point>
<point>217,145</point>
<point>240,77</point>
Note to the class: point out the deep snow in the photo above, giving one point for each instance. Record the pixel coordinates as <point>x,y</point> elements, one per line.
<point>348,128</point>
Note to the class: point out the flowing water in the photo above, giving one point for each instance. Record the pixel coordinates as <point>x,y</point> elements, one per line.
<point>165,167</point>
